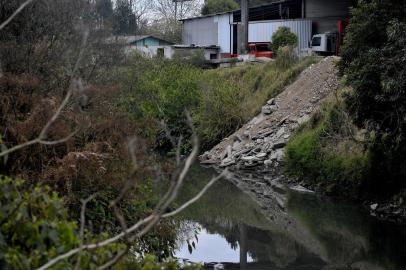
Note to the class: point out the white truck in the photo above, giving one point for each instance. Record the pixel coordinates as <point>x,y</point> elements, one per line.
<point>324,44</point>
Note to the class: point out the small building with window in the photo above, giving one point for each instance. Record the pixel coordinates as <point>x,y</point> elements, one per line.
<point>148,45</point>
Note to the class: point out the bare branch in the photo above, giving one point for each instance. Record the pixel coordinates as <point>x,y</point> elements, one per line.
<point>41,137</point>
<point>111,263</point>
<point>23,5</point>
<point>82,226</point>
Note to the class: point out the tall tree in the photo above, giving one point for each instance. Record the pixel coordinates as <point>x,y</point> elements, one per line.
<point>167,15</point>
<point>124,18</point>
<point>373,60</point>
<point>217,6</point>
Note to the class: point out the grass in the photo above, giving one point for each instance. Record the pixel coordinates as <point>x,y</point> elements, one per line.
<point>326,154</point>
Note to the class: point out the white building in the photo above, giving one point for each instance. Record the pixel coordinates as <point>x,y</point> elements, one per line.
<point>303,17</point>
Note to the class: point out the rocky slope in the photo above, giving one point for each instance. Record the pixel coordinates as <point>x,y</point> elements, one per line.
<point>259,145</point>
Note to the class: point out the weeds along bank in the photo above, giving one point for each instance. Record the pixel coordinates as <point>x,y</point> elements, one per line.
<point>219,101</point>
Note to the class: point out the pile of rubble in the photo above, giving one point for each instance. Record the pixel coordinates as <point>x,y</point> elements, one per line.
<point>259,145</point>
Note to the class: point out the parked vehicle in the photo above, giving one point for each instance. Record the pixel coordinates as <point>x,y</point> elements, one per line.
<point>260,50</point>
<point>329,43</point>
<point>324,44</point>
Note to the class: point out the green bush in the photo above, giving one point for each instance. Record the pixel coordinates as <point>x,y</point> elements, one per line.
<point>283,37</point>
<point>374,65</point>
<point>34,228</point>
<point>323,153</point>
<point>162,90</point>
<point>216,6</point>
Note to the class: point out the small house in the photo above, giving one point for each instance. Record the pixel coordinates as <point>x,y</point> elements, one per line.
<point>148,45</point>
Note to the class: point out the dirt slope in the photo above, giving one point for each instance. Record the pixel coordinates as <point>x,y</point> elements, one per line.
<point>259,145</point>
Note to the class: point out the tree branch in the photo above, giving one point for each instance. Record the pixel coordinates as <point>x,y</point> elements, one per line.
<point>23,5</point>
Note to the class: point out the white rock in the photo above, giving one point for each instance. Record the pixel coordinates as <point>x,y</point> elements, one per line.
<point>281,132</point>
<point>303,119</point>
<point>301,189</point>
<point>248,158</point>
<point>268,163</point>
<point>374,206</point>
<point>278,155</point>
<point>261,155</point>
<point>271,101</point>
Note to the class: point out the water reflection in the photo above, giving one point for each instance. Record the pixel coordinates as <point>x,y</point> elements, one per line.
<point>242,230</point>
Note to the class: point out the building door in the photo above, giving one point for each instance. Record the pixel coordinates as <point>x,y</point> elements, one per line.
<point>235,39</point>
<point>161,52</point>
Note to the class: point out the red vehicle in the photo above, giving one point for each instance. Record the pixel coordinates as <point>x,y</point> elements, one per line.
<point>260,50</point>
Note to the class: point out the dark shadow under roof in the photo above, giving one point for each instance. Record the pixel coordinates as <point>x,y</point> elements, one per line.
<point>286,9</point>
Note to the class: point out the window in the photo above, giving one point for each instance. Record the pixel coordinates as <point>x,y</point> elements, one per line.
<point>263,48</point>
<point>213,56</point>
<point>316,42</point>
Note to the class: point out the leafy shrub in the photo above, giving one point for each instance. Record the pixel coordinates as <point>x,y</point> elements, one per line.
<point>374,65</point>
<point>163,91</point>
<point>34,228</point>
<point>283,37</point>
<point>216,6</point>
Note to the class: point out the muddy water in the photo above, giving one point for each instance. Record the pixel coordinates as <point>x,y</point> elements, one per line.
<point>234,228</point>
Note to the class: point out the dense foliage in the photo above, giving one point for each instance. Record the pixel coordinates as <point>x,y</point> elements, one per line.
<point>35,227</point>
<point>215,6</point>
<point>39,53</point>
<point>374,64</point>
<point>283,37</point>
<point>219,101</point>
<point>218,6</point>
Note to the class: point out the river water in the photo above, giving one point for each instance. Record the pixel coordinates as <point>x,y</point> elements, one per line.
<point>234,228</point>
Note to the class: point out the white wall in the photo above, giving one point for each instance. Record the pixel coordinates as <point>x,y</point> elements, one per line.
<point>224,32</point>
<point>263,31</point>
<point>151,51</point>
<point>200,31</point>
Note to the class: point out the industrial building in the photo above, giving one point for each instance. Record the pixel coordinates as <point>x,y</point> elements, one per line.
<point>304,17</point>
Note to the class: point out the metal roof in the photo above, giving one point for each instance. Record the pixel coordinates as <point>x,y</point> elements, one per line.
<point>235,10</point>
<point>132,39</point>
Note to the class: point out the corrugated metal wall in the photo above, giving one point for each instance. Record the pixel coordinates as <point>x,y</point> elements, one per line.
<point>263,31</point>
<point>224,32</point>
<point>202,31</point>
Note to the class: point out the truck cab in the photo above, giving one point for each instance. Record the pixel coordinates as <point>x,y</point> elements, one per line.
<point>324,44</point>
<point>260,50</point>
